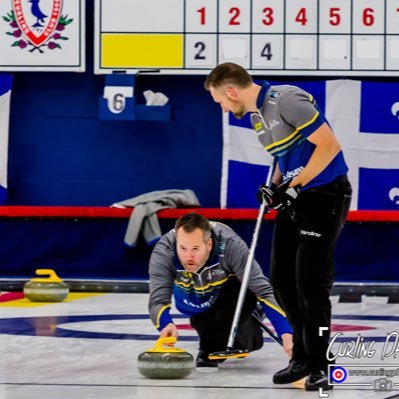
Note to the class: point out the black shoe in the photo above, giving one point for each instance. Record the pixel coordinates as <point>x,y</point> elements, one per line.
<point>294,372</point>
<point>205,365</point>
<point>317,379</point>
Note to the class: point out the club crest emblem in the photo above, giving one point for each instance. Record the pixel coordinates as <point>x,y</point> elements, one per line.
<point>37,24</point>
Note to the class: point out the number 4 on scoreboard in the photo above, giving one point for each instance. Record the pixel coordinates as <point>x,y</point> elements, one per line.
<point>267,51</point>
<point>301,16</point>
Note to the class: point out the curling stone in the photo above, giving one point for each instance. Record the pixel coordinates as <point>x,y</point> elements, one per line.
<point>49,289</point>
<point>162,362</point>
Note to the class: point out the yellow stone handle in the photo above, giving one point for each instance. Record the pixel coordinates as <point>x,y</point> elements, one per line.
<point>165,341</point>
<point>159,345</point>
<point>52,276</point>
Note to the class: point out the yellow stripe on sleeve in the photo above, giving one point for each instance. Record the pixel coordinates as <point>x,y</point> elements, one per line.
<point>309,122</point>
<point>158,323</point>
<point>274,307</point>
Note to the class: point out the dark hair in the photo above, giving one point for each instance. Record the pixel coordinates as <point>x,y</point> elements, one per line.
<point>228,73</point>
<point>191,221</point>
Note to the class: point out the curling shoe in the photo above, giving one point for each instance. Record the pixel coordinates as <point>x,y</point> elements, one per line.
<point>205,365</point>
<point>293,372</point>
<point>317,379</point>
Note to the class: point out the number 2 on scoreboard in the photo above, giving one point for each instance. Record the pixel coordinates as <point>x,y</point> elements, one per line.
<point>199,55</point>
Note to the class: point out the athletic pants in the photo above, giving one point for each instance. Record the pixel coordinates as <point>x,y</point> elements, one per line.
<point>303,269</point>
<point>213,326</point>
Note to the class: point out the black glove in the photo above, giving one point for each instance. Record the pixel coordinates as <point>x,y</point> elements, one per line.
<point>284,196</point>
<point>265,193</point>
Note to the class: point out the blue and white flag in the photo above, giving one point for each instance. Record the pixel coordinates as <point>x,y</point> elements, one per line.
<point>5,96</point>
<point>365,118</point>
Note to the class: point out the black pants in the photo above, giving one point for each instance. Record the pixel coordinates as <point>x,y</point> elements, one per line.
<point>303,268</point>
<point>213,326</point>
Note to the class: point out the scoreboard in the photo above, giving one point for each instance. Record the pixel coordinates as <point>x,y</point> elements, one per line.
<point>276,37</point>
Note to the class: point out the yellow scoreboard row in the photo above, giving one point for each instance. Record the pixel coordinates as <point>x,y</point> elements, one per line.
<point>142,51</point>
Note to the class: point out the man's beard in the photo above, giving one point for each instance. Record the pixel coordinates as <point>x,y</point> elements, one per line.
<point>240,113</point>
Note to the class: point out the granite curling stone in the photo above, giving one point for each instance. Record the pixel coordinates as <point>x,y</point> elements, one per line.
<point>49,289</point>
<point>162,362</point>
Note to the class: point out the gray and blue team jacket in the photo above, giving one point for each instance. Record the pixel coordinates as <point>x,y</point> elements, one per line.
<point>196,292</point>
<point>286,116</point>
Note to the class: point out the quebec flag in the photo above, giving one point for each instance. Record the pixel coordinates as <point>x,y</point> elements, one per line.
<point>5,97</point>
<point>365,118</point>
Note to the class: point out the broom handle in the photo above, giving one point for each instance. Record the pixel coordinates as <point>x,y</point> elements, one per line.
<point>247,270</point>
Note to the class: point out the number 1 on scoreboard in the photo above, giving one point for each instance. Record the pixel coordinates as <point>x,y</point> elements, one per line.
<point>201,16</point>
<point>201,12</point>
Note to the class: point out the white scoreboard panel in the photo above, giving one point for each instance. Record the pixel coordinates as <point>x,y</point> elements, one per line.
<point>276,37</point>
